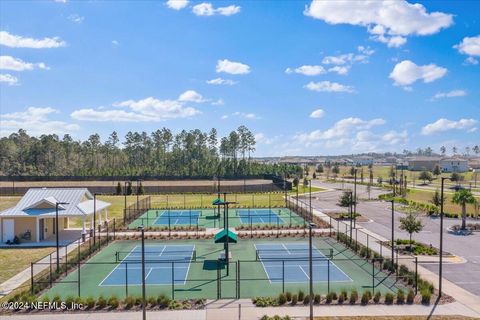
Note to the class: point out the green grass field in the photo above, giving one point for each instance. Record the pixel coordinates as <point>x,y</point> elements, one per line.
<point>425,196</point>
<point>12,261</point>
<point>202,275</point>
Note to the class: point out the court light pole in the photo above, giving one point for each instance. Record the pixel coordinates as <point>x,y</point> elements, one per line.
<point>440,270</point>
<point>310,267</point>
<point>393,231</point>
<point>354,199</point>
<point>56,234</point>
<point>310,199</point>
<point>144,302</point>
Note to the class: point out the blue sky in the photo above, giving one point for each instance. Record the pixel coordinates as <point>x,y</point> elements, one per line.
<point>306,77</point>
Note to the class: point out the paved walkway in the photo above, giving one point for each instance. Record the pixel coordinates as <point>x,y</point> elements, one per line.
<point>465,298</point>
<point>229,309</point>
<point>20,278</point>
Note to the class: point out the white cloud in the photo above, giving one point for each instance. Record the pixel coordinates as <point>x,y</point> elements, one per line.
<point>207,9</point>
<point>221,81</point>
<point>218,102</point>
<point>115,42</point>
<point>469,46</point>
<point>307,70</point>
<point>14,64</point>
<point>192,96</point>
<point>327,86</point>
<point>225,116</point>
<point>76,18</point>
<point>341,129</point>
<point>8,79</point>
<point>232,67</point>
<point>443,124</point>
<point>177,4</point>
<point>406,72</point>
<point>341,70</point>
<point>263,139</point>
<point>60,1</point>
<point>387,21</point>
<point>14,41</point>
<point>471,60</point>
<point>249,116</point>
<point>145,110</point>
<point>317,114</point>
<point>36,121</point>
<point>450,94</point>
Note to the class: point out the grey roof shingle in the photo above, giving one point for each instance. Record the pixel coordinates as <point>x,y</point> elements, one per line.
<point>73,196</point>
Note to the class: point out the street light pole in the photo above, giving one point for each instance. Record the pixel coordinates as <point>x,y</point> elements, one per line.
<point>310,268</point>
<point>441,238</point>
<point>310,200</point>
<point>354,199</point>
<point>144,302</point>
<point>56,233</point>
<point>393,231</point>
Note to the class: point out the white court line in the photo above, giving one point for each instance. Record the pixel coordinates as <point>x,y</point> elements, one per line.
<point>264,268</point>
<point>308,278</point>
<point>288,251</point>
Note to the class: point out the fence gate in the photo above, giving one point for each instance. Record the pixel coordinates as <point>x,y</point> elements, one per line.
<point>227,280</point>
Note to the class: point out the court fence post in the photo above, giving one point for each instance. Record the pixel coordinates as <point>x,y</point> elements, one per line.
<point>66,259</point>
<point>416,275</point>
<point>78,280</point>
<point>356,239</point>
<point>283,275</point>
<point>51,270</point>
<point>373,276</point>
<point>338,230</point>
<point>173,280</point>
<point>239,281</point>
<point>114,229</point>
<point>126,279</point>
<point>31,277</point>
<point>328,275</point>
<point>218,279</point>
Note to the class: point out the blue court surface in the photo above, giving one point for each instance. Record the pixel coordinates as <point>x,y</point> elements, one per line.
<point>178,217</point>
<point>288,262</point>
<point>262,216</point>
<point>158,266</point>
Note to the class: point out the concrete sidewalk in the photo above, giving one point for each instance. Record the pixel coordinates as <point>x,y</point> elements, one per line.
<point>229,309</point>
<point>463,297</point>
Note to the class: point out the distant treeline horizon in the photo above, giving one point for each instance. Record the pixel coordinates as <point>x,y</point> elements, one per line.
<point>159,153</point>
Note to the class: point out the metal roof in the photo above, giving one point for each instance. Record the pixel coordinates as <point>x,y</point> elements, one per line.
<point>29,204</point>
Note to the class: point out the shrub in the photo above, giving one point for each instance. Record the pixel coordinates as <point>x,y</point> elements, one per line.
<point>282,299</point>
<point>377,296</point>
<point>45,299</point>
<point>426,296</point>
<point>294,299</point>
<point>152,301</point>
<point>317,298</point>
<point>288,295</point>
<point>388,298</point>
<point>56,299</point>
<point>306,299</point>
<point>138,301</point>
<point>90,302</point>
<point>365,298</point>
<point>334,295</point>
<point>341,298</point>
<point>410,296</point>
<point>353,296</point>
<point>129,302</point>
<point>69,301</point>
<point>113,302</point>
<point>344,294</point>
<point>101,302</point>
<point>163,301</point>
<point>301,295</point>
<point>328,298</point>
<point>400,296</point>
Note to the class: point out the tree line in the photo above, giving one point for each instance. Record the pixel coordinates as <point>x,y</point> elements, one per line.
<point>160,153</point>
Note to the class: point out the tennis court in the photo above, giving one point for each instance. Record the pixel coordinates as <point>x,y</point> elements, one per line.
<point>259,216</point>
<point>288,263</point>
<point>209,218</point>
<point>163,264</point>
<point>191,268</point>
<point>177,217</point>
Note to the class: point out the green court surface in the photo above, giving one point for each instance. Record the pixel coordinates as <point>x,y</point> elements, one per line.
<point>169,270</point>
<point>209,218</point>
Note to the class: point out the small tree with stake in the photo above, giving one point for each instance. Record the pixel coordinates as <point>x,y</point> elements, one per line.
<point>436,170</point>
<point>411,224</point>
<point>437,199</point>
<point>425,175</point>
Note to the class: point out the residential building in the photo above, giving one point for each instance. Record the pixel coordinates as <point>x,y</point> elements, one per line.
<point>454,164</point>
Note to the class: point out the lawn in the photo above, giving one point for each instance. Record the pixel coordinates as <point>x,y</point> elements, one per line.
<point>12,261</point>
<point>424,196</point>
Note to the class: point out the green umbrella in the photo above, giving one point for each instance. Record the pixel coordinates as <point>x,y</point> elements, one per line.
<point>220,237</point>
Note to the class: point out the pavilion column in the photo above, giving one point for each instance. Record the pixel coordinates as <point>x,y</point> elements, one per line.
<point>99,217</point>
<point>37,228</point>
<point>105,212</point>
<point>91,225</point>
<point>84,224</point>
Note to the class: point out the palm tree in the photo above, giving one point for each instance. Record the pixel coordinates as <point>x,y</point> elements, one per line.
<point>411,224</point>
<point>463,197</point>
